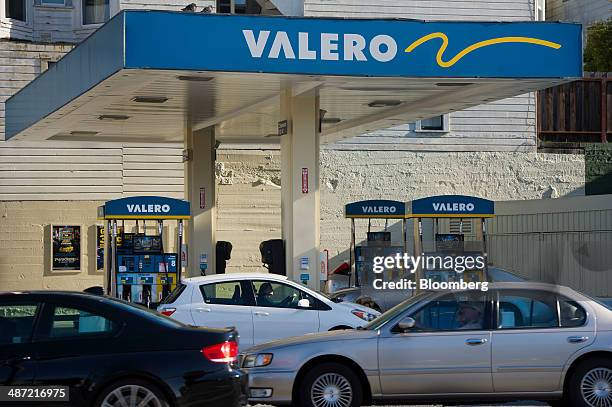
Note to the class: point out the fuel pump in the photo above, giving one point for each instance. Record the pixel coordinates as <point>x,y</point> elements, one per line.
<point>138,266</point>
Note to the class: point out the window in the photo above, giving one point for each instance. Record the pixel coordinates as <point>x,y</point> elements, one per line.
<point>95,11</point>
<point>238,7</point>
<point>16,322</point>
<point>278,295</point>
<point>572,314</point>
<point>52,2</point>
<point>16,9</point>
<point>228,293</point>
<point>72,322</point>
<point>457,311</point>
<point>527,309</point>
<point>433,124</point>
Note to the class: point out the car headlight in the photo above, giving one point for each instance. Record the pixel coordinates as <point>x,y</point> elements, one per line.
<point>257,360</point>
<point>366,316</point>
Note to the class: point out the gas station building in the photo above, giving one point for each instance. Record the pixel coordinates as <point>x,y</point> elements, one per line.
<point>279,77</point>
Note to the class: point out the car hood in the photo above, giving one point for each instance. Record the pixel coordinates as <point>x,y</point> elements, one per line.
<point>328,336</point>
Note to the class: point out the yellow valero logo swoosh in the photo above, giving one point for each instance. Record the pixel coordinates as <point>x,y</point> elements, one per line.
<point>475,46</point>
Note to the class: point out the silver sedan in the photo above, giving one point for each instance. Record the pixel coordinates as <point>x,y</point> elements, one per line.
<point>516,341</point>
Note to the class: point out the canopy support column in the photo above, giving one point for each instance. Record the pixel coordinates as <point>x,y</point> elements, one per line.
<point>300,201</point>
<point>200,192</point>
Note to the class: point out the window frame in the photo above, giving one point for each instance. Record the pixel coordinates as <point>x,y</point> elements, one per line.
<point>113,8</point>
<point>27,23</point>
<point>487,319</point>
<point>42,4</point>
<point>37,316</point>
<point>445,125</point>
<point>45,323</point>
<point>557,297</point>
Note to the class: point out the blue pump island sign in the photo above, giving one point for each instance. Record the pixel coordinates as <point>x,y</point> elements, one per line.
<point>376,209</point>
<point>452,206</point>
<point>145,207</point>
<point>352,47</point>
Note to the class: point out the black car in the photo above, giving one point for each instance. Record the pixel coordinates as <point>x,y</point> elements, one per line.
<point>112,353</point>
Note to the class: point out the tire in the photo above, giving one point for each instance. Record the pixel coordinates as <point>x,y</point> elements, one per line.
<point>330,380</point>
<point>124,388</point>
<point>591,384</point>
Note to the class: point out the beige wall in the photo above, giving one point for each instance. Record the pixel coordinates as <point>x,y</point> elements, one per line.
<point>25,242</point>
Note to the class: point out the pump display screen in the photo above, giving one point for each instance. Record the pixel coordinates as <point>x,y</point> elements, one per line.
<point>379,236</point>
<point>449,242</point>
<point>147,244</point>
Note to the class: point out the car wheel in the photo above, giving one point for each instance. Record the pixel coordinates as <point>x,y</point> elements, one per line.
<point>591,384</point>
<point>131,392</point>
<point>330,385</point>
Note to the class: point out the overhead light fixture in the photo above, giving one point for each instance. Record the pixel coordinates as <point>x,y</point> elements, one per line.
<point>113,117</point>
<point>331,120</point>
<point>384,103</point>
<point>194,78</point>
<point>149,99</point>
<point>452,84</point>
<point>83,133</point>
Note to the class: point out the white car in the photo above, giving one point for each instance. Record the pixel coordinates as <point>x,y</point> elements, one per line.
<point>263,307</point>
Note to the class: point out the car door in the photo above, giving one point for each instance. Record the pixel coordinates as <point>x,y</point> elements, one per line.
<point>70,341</point>
<point>445,352</point>
<point>276,313</point>
<point>224,304</point>
<point>17,321</point>
<point>531,344</point>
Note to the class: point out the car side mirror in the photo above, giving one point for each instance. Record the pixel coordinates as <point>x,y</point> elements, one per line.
<point>303,303</point>
<point>406,324</point>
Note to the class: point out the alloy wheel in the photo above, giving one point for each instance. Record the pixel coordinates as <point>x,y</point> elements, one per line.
<point>331,390</point>
<point>131,396</point>
<point>596,387</point>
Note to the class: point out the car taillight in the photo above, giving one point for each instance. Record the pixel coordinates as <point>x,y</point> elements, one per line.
<point>168,311</point>
<point>224,352</point>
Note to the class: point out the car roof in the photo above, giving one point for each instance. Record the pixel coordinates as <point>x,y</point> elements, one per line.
<point>51,293</point>
<point>234,276</point>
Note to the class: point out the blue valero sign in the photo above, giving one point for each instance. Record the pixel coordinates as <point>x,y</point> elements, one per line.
<point>145,207</point>
<point>335,46</point>
<point>452,206</point>
<point>375,209</point>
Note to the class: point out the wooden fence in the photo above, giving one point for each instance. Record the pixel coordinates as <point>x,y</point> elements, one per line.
<point>570,115</point>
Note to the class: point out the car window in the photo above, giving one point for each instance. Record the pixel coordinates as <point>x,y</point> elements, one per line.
<point>453,311</point>
<point>572,314</point>
<point>17,322</point>
<point>225,293</point>
<point>74,322</point>
<point>279,295</point>
<point>175,294</point>
<point>527,309</point>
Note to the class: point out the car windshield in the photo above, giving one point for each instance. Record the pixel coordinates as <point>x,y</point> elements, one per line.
<point>395,311</point>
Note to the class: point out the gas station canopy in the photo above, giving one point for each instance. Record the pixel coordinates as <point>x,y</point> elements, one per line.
<point>144,74</point>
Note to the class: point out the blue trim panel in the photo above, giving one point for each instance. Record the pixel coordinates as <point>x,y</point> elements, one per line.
<point>94,60</point>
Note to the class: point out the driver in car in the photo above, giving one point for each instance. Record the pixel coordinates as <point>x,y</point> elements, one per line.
<point>469,315</point>
<point>264,296</point>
